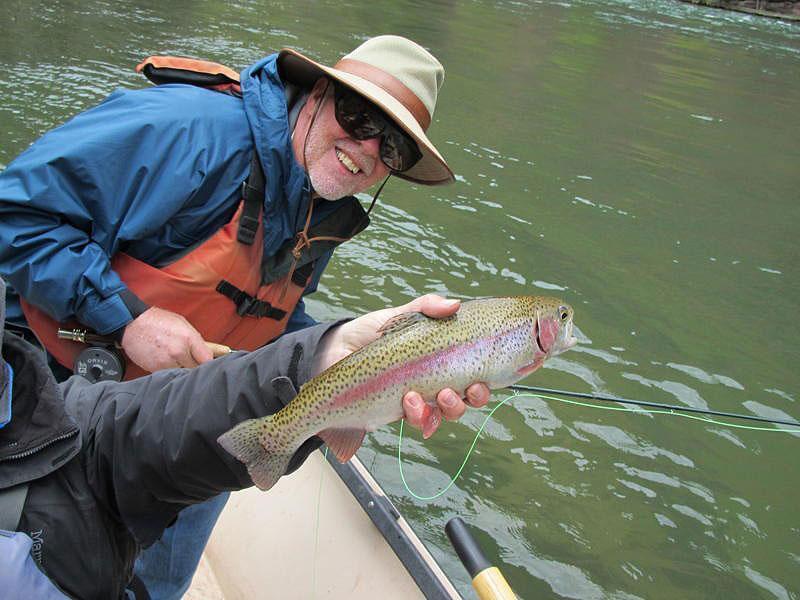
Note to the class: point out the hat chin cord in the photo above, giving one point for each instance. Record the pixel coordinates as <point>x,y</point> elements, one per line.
<point>302,241</point>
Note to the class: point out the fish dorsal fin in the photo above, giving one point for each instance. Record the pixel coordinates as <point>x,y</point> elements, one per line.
<point>401,322</point>
<point>343,442</point>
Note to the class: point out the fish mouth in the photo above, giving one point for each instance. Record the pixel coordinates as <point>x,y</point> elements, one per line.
<point>572,341</point>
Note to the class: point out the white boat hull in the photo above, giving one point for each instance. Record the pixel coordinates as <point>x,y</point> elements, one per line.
<point>308,537</point>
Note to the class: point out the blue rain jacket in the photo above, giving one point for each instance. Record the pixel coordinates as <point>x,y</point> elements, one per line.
<point>152,173</point>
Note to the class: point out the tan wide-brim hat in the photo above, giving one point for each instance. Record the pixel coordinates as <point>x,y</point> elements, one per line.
<point>396,74</point>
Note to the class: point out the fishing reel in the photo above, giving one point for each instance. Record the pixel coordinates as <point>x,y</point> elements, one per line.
<point>100,363</point>
<point>102,360</point>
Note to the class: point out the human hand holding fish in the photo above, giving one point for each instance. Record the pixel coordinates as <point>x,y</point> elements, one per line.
<point>367,365</point>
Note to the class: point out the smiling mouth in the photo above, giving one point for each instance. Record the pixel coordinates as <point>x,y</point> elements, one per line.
<point>347,162</point>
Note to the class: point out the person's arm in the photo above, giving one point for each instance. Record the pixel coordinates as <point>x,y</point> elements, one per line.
<point>150,445</point>
<point>114,174</point>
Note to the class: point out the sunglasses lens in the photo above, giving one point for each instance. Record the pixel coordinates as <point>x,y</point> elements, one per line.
<point>362,120</point>
<point>398,151</point>
<point>357,116</point>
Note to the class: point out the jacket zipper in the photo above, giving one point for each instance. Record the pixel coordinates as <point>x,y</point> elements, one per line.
<point>50,442</point>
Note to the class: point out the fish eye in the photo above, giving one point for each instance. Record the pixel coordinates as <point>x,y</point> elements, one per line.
<point>563,313</point>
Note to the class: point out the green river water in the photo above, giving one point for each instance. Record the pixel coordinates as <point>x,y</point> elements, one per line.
<point>640,160</point>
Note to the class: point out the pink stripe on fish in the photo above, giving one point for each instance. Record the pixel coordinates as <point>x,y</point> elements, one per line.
<point>420,366</point>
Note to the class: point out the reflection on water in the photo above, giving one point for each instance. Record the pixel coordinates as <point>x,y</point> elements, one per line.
<point>638,159</point>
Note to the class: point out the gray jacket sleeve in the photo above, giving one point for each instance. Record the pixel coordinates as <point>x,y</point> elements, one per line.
<point>150,445</point>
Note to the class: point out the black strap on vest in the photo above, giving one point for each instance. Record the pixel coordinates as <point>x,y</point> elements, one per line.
<point>253,194</point>
<point>11,502</point>
<point>249,221</point>
<point>301,274</point>
<point>247,305</point>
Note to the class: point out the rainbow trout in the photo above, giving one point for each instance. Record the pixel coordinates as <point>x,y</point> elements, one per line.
<point>497,341</point>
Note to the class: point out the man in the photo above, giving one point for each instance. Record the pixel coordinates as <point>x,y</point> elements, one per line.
<point>92,473</point>
<point>129,219</point>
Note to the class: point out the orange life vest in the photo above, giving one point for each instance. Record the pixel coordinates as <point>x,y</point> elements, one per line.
<point>193,287</point>
<point>217,286</point>
<point>203,73</point>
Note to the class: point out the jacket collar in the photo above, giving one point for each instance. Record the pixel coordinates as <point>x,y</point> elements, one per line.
<point>41,436</point>
<point>287,185</point>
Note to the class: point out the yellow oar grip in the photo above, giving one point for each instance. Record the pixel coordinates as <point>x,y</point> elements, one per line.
<point>491,585</point>
<point>487,580</point>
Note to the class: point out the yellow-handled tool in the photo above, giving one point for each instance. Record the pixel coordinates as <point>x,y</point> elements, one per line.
<point>103,360</point>
<point>487,580</point>
<point>219,349</point>
<point>86,337</point>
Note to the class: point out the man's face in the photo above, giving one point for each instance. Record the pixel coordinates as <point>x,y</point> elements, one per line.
<point>337,164</point>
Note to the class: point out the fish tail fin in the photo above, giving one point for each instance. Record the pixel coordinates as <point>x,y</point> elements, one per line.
<point>244,442</point>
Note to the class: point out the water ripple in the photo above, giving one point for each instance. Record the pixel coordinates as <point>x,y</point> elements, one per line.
<point>690,512</point>
<point>701,375</point>
<point>619,439</point>
<point>764,582</point>
<point>683,393</point>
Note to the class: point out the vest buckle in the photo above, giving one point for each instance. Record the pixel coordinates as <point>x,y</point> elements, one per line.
<point>246,306</point>
<point>247,229</point>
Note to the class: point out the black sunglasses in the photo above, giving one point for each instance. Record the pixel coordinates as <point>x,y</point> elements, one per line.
<point>362,120</point>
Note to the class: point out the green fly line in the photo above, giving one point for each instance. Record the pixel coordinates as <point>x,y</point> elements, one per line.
<point>316,533</point>
<point>564,400</point>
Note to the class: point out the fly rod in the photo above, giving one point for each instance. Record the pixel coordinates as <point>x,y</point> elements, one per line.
<point>642,403</point>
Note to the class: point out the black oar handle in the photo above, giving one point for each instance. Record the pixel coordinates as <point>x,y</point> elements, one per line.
<point>466,547</point>
<point>487,580</point>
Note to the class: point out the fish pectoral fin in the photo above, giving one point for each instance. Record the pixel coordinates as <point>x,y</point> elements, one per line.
<point>243,442</point>
<point>528,369</point>
<point>400,322</point>
<point>343,442</point>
